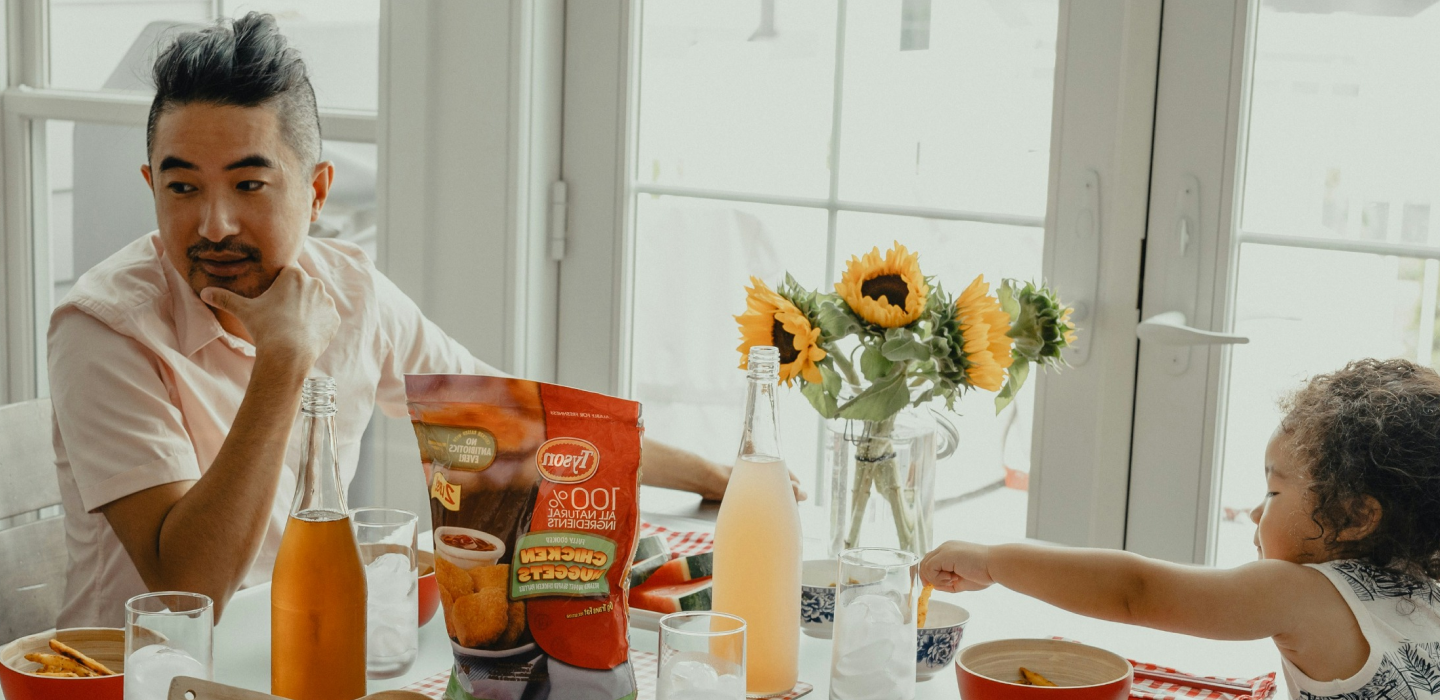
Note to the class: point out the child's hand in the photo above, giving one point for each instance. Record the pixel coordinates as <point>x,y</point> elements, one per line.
<point>957,566</point>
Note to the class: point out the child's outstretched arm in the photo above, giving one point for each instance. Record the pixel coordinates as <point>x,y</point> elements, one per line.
<point>1294,604</point>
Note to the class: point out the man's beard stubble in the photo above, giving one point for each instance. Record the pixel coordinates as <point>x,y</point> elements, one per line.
<point>250,285</point>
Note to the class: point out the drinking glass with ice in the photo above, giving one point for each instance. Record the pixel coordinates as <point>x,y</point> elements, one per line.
<point>702,657</point>
<point>387,541</point>
<point>167,634</point>
<point>873,656</point>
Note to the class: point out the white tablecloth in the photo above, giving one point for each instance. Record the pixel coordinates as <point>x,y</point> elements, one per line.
<point>242,639</point>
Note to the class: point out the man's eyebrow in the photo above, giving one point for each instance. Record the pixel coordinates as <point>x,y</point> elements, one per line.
<point>172,162</point>
<point>256,161</point>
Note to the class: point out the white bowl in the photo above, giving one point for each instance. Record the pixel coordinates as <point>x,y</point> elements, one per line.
<point>817,597</point>
<point>465,558</point>
<point>937,642</point>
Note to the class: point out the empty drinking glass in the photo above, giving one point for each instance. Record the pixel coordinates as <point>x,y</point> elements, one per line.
<point>702,657</point>
<point>873,656</point>
<point>167,634</point>
<point>386,538</point>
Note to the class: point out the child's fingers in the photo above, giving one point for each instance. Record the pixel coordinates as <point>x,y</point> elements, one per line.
<point>948,582</point>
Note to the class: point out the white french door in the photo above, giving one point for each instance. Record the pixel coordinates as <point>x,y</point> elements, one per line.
<point>704,144</point>
<point>1293,204</point>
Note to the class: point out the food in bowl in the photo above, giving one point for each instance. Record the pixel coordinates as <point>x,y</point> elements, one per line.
<point>991,671</point>
<point>98,651</point>
<point>66,662</point>
<point>1028,677</point>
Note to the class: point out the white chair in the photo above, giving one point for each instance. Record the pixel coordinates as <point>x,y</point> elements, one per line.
<point>32,526</point>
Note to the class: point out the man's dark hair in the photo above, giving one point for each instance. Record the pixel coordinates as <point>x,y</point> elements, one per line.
<point>1373,429</point>
<point>242,63</point>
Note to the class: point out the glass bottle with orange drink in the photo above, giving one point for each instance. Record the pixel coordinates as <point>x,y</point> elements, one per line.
<point>757,541</point>
<point>317,592</point>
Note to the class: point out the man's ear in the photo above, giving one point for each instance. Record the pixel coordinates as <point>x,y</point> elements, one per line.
<point>1365,513</point>
<point>320,183</point>
<point>145,173</point>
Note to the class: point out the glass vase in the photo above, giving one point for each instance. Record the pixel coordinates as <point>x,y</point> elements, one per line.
<point>882,480</point>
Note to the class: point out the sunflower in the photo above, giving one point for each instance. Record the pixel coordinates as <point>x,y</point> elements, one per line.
<point>889,293</point>
<point>984,344</point>
<point>771,319</point>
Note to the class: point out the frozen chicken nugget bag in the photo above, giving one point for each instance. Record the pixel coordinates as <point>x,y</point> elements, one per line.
<point>533,490</point>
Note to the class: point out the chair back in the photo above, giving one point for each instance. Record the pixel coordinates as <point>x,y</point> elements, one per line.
<point>32,526</point>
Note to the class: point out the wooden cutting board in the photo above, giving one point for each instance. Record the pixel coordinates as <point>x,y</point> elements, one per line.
<point>186,688</point>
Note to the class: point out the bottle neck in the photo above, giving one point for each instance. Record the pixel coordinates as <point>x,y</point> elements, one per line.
<point>760,441</point>
<point>318,491</point>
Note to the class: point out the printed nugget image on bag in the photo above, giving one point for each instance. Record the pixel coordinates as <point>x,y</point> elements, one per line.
<point>533,490</point>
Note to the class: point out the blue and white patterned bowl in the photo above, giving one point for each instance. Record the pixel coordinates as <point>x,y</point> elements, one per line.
<point>817,597</point>
<point>936,644</point>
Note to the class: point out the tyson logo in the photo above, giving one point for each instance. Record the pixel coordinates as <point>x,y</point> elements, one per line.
<point>567,460</point>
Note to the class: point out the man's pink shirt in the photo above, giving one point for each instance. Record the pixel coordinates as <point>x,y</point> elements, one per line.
<point>145,385</point>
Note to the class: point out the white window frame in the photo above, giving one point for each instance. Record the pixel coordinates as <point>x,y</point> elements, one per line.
<point>25,105</point>
<point>453,111</point>
<point>1103,106</point>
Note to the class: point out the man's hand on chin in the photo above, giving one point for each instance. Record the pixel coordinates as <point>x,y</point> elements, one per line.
<point>295,318</point>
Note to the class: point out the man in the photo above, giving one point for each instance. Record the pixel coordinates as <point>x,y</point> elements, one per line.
<point>176,364</point>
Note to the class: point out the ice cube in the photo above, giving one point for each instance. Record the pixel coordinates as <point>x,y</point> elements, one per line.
<point>149,670</point>
<point>389,579</point>
<point>693,675</point>
<point>878,609</point>
<point>730,685</point>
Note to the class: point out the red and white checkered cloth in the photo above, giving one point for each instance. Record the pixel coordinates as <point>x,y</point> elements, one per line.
<point>1261,687</point>
<point>682,544</point>
<point>646,673</point>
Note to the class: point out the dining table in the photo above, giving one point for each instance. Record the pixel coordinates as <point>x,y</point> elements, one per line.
<point>242,637</point>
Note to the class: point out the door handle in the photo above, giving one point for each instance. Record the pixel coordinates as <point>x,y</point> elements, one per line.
<point>1169,329</point>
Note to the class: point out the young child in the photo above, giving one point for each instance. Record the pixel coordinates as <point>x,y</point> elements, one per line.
<point>1348,536</point>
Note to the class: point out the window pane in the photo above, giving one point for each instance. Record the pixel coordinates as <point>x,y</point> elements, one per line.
<point>949,107</point>
<point>1301,324</point>
<point>684,362</point>
<point>737,96</point>
<point>112,44</point>
<point>685,366</point>
<point>955,252</point>
<point>1342,133</point>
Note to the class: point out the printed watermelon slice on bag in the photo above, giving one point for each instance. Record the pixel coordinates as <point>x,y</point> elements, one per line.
<point>691,595</point>
<point>680,570</point>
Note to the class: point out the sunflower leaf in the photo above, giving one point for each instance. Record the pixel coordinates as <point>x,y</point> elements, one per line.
<point>905,348</point>
<point>830,379</point>
<point>881,400</point>
<point>834,319</point>
<point>822,400</point>
<point>1018,373</point>
<point>873,363</point>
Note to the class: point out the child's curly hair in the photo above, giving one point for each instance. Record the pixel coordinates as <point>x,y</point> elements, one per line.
<point>1373,429</point>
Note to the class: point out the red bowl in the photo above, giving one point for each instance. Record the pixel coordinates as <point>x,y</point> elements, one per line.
<point>429,589</point>
<point>103,644</point>
<point>988,671</point>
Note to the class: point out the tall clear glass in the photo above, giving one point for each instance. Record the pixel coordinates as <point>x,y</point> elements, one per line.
<point>167,634</point>
<point>757,541</point>
<point>873,657</point>
<point>386,538</point>
<point>702,657</point>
